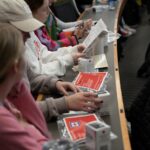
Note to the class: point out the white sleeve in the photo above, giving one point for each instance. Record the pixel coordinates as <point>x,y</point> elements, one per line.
<point>65,25</point>
<point>62,53</point>
<point>47,62</point>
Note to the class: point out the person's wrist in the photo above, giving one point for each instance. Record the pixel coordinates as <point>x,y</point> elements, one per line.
<point>57,83</point>
<point>67,102</point>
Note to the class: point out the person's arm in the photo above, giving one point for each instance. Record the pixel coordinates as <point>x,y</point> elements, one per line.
<point>82,101</point>
<point>51,63</point>
<point>65,25</point>
<point>41,83</point>
<point>56,62</point>
<point>61,60</point>
<point>46,62</point>
<point>33,110</point>
<point>52,108</point>
<point>14,136</point>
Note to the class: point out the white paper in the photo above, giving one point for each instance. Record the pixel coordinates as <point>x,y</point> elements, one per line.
<point>95,31</point>
<point>111,36</point>
<point>99,61</point>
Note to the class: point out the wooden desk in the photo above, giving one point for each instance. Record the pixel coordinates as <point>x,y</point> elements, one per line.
<point>116,118</point>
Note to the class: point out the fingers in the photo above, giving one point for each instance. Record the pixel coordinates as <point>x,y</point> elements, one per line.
<point>81,48</point>
<point>89,107</point>
<point>88,23</point>
<point>79,33</point>
<point>81,55</point>
<point>76,56</point>
<point>81,25</point>
<point>73,88</point>
<point>78,89</point>
<point>91,102</point>
<point>89,94</point>
<point>63,91</point>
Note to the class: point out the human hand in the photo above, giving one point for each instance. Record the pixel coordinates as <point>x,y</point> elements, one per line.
<point>83,101</point>
<point>76,57</point>
<point>80,48</point>
<point>83,28</point>
<point>88,24</point>
<point>78,54</point>
<point>79,32</point>
<point>65,87</point>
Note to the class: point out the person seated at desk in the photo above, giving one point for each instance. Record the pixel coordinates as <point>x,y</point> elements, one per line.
<point>39,58</point>
<point>20,128</point>
<point>22,123</point>
<point>43,83</point>
<point>52,35</point>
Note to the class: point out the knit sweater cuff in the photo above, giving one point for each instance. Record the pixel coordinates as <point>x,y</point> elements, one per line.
<point>61,104</point>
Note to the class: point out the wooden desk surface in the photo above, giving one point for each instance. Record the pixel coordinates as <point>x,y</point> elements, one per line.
<point>116,118</point>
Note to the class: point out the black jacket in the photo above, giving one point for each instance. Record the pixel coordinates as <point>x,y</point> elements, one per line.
<point>140,120</point>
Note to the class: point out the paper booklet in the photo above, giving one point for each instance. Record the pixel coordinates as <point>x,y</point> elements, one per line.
<point>93,81</point>
<point>75,126</point>
<point>95,31</point>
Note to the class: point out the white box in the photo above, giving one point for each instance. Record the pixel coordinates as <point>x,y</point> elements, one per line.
<point>98,136</point>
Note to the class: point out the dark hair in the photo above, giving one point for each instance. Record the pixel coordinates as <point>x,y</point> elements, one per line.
<point>34,4</point>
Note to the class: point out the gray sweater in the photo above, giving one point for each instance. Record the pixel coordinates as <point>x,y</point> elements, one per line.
<point>46,85</point>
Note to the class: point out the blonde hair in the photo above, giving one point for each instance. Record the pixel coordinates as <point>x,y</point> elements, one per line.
<point>10,51</point>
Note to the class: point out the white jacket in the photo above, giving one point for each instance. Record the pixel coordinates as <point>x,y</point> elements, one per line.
<point>43,61</point>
